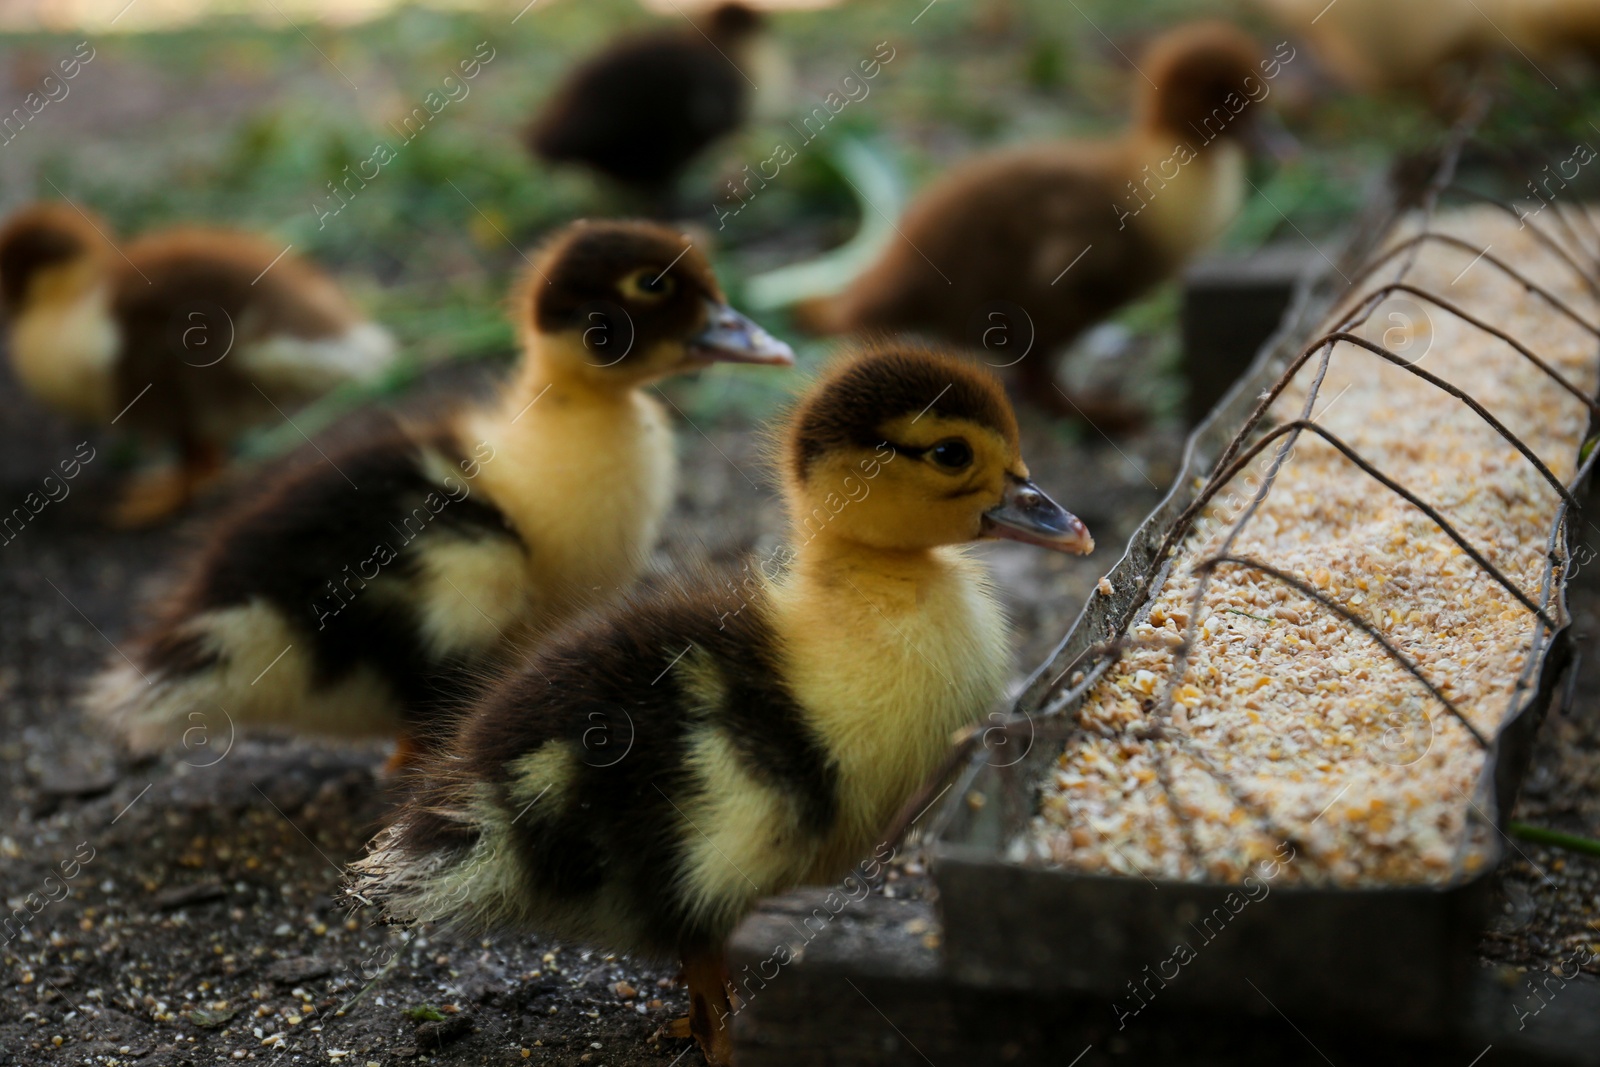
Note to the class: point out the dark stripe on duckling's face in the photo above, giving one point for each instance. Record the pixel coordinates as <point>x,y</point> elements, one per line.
<point>952,454</point>
<point>853,404</point>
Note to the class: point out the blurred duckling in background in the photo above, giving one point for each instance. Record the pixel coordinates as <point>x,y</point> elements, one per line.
<point>1378,46</point>
<point>362,590</point>
<point>1428,47</point>
<point>642,109</point>
<point>1070,232</point>
<point>644,778</point>
<point>1556,28</point>
<point>183,337</point>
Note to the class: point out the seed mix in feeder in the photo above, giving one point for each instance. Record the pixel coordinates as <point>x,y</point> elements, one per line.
<point>1287,718</point>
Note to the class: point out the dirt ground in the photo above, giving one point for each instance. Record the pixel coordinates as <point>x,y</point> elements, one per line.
<point>197,919</point>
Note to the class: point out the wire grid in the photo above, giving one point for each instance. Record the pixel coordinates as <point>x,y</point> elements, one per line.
<point>1091,665</point>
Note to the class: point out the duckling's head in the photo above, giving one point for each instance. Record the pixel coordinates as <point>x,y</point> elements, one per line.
<point>902,447</point>
<point>1204,80</point>
<point>618,304</point>
<point>49,250</point>
<point>732,23</point>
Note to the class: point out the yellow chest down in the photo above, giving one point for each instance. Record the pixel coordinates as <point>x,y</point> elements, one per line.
<point>889,660</point>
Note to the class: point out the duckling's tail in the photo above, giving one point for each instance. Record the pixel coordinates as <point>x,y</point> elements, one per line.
<point>199,682</point>
<point>444,858</point>
<point>153,706</point>
<point>392,877</point>
<point>363,353</point>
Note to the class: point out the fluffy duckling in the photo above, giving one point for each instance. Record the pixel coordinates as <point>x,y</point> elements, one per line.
<point>642,109</point>
<point>183,336</point>
<point>644,778</point>
<point>1381,46</point>
<point>1422,46</point>
<point>1070,232</point>
<point>1555,28</point>
<point>359,591</point>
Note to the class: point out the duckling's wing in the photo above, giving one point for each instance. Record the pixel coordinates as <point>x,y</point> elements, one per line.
<point>224,326</point>
<point>324,602</point>
<point>639,783</point>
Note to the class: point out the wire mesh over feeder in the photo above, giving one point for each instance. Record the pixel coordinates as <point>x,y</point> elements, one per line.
<point>1352,614</point>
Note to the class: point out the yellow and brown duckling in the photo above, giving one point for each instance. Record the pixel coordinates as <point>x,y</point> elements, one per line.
<point>1429,47</point>
<point>1069,232</point>
<point>364,589</point>
<point>1377,46</point>
<point>643,778</point>
<point>642,109</point>
<point>183,337</point>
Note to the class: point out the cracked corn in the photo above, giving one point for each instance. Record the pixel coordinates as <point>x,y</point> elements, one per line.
<point>1286,710</point>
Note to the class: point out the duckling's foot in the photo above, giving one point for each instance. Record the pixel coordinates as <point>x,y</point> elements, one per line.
<point>150,497</point>
<point>158,493</point>
<point>710,1018</point>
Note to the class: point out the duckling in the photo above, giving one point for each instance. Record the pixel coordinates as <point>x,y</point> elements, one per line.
<point>1377,46</point>
<point>642,109</point>
<point>184,336</point>
<point>645,777</point>
<point>1070,232</point>
<point>1425,46</point>
<point>358,591</point>
<point>1554,29</point>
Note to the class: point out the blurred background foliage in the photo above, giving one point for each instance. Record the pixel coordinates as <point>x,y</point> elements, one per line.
<point>247,122</point>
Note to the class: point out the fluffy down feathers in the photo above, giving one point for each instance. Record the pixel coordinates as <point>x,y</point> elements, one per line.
<point>570,799</point>
<point>364,588</point>
<point>1016,253</point>
<point>641,780</point>
<point>323,604</point>
<point>193,324</point>
<point>641,110</point>
<point>644,777</point>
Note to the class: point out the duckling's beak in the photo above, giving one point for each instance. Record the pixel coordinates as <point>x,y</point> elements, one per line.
<point>1027,514</point>
<point>730,337</point>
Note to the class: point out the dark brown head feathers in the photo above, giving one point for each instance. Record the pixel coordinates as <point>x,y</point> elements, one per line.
<point>1207,80</point>
<point>626,285</point>
<point>730,22</point>
<point>40,236</point>
<point>861,393</point>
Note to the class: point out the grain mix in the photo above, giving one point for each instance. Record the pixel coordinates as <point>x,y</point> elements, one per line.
<point>1289,720</point>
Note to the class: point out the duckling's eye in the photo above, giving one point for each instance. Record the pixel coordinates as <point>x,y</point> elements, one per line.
<point>952,455</point>
<point>647,284</point>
